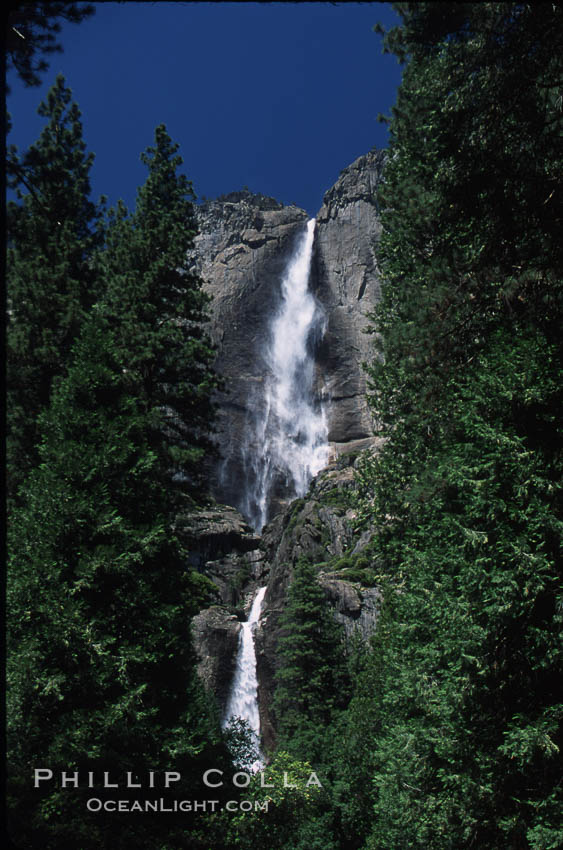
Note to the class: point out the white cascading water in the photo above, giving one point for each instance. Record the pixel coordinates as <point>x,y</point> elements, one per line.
<point>287,442</point>
<point>290,435</point>
<point>243,701</point>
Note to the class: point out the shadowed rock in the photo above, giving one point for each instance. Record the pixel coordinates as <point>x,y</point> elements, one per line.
<point>215,633</point>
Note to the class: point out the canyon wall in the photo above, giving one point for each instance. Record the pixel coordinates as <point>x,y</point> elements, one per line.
<point>345,280</point>
<point>242,251</point>
<point>243,248</point>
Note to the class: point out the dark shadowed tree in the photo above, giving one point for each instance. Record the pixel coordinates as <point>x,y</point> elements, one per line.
<point>31,34</point>
<point>156,300</point>
<point>466,491</point>
<point>101,669</point>
<point>53,231</point>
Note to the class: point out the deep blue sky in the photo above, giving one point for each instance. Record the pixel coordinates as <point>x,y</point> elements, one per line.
<point>279,97</point>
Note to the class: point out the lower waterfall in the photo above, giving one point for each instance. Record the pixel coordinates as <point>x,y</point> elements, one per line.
<point>243,700</point>
<point>287,440</point>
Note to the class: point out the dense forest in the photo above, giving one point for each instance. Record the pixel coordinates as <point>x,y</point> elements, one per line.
<point>443,733</point>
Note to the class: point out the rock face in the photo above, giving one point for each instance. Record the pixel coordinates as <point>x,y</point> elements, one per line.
<point>237,562</point>
<point>215,633</point>
<point>355,608</point>
<point>345,281</point>
<point>214,532</point>
<point>222,547</point>
<point>242,250</point>
<point>243,247</point>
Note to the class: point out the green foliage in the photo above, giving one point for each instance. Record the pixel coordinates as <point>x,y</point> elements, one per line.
<point>337,497</point>
<point>312,690</point>
<point>238,580</point>
<point>446,732</point>
<point>101,670</point>
<point>357,568</point>
<point>294,514</point>
<point>159,308</point>
<point>53,233</point>
<point>281,804</point>
<point>465,728</point>
<point>315,718</point>
<point>311,679</point>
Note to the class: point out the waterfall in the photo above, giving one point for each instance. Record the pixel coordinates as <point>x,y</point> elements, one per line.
<point>243,700</point>
<point>285,444</point>
<point>288,438</point>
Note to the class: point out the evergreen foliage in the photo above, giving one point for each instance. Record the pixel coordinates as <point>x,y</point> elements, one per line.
<point>53,232</point>
<point>452,738</point>
<point>280,803</point>
<point>444,733</point>
<point>159,308</point>
<point>466,723</point>
<point>312,677</point>
<point>313,687</point>
<point>101,671</point>
<point>32,30</point>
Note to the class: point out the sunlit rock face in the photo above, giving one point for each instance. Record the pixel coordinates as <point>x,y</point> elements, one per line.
<point>345,280</point>
<point>243,248</point>
<point>245,244</point>
<point>288,317</point>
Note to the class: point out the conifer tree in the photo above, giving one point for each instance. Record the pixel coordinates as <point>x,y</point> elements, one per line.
<point>32,29</point>
<point>312,681</point>
<point>467,726</point>
<point>53,232</point>
<point>157,301</point>
<point>101,670</point>
<point>312,690</point>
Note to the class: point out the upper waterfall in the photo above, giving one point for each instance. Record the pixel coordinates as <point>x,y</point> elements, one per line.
<point>288,440</point>
<point>242,253</point>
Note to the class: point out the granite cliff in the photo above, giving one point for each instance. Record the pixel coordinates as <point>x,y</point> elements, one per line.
<point>344,279</point>
<point>243,248</point>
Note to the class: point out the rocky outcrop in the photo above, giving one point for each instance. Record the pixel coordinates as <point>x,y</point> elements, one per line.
<point>243,248</point>
<point>355,607</point>
<point>345,280</point>
<point>222,547</point>
<point>213,532</point>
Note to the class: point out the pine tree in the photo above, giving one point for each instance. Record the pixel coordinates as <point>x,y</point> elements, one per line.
<point>101,669</point>
<point>312,690</point>
<point>466,491</point>
<point>312,681</point>
<point>53,233</point>
<point>158,303</point>
<point>32,29</point>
